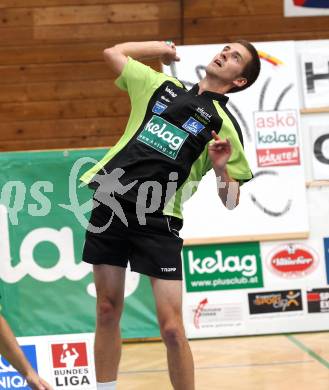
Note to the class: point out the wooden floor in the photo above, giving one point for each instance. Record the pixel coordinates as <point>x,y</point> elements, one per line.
<point>285,362</point>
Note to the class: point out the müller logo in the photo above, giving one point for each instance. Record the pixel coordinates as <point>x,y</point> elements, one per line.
<point>292,261</point>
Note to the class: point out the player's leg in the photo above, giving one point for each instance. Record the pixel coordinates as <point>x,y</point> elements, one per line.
<point>168,297</point>
<point>109,281</point>
<point>108,251</point>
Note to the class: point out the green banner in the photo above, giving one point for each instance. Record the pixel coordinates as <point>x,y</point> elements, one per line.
<point>44,286</point>
<point>222,267</point>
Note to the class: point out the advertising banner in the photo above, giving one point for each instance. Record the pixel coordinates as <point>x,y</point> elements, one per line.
<point>222,267</point>
<point>45,287</point>
<point>281,146</point>
<point>9,377</point>
<point>306,7</point>
<point>318,300</point>
<point>294,263</point>
<point>320,155</point>
<point>70,365</point>
<point>315,74</point>
<point>326,254</point>
<point>64,361</point>
<point>268,114</point>
<point>275,302</point>
<point>259,288</point>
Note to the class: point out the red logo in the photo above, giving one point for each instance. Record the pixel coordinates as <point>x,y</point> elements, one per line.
<point>198,312</point>
<point>312,3</point>
<point>278,157</point>
<point>69,355</point>
<point>293,261</point>
<point>313,297</point>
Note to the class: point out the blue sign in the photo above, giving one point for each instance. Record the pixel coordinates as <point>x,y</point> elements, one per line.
<point>158,108</point>
<point>9,377</point>
<point>193,126</point>
<point>326,255</point>
<point>311,3</point>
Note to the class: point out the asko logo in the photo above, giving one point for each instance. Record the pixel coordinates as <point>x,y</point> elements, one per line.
<point>292,261</point>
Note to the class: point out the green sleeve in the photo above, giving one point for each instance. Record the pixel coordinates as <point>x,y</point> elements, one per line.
<point>137,79</point>
<point>237,166</point>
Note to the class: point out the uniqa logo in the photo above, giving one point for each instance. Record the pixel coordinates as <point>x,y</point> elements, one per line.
<point>247,264</point>
<point>174,141</point>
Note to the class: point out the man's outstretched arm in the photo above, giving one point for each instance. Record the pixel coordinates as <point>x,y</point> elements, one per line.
<point>220,152</point>
<point>11,351</point>
<point>117,56</point>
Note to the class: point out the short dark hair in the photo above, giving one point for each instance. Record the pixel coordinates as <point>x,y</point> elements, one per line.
<point>252,68</point>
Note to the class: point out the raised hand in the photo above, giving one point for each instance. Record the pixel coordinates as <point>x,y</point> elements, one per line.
<point>219,151</point>
<point>170,55</point>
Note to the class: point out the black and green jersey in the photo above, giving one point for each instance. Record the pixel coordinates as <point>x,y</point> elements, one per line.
<point>166,138</point>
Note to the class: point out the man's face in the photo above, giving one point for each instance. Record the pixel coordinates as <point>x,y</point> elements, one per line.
<point>227,66</point>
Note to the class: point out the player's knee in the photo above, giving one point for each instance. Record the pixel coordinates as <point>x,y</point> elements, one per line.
<point>108,311</point>
<point>173,334</point>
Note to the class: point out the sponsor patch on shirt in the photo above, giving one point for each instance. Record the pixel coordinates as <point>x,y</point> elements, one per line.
<point>158,108</point>
<point>193,126</point>
<point>162,136</point>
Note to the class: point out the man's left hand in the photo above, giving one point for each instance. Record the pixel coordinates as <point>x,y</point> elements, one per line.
<point>219,151</point>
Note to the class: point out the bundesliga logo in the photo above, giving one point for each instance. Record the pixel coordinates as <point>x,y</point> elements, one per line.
<point>70,363</point>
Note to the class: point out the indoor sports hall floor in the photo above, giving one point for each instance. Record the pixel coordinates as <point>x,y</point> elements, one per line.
<point>280,362</point>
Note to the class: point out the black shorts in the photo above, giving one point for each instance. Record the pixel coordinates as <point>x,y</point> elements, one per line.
<point>153,249</point>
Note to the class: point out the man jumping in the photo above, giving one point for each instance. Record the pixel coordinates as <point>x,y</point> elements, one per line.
<point>173,137</point>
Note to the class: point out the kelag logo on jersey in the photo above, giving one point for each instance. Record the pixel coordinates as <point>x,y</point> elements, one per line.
<point>162,136</point>
<point>158,108</point>
<point>9,377</point>
<point>70,363</point>
<point>275,301</point>
<point>193,126</point>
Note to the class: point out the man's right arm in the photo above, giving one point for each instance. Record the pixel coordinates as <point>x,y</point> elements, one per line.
<point>117,56</point>
<point>10,349</point>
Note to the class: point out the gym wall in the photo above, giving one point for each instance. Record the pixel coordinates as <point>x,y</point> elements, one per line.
<point>57,92</point>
